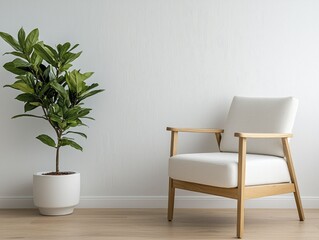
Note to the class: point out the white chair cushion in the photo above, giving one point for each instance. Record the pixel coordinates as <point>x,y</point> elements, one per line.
<point>221,169</point>
<point>259,115</point>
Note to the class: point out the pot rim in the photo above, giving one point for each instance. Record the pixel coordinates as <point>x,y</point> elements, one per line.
<point>40,174</point>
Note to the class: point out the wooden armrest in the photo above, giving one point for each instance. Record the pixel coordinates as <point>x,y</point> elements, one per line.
<point>195,130</point>
<point>263,135</point>
<point>174,133</point>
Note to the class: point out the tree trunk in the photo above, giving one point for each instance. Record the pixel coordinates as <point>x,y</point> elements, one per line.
<point>57,170</point>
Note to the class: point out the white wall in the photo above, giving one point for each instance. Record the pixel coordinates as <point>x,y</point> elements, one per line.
<point>163,63</point>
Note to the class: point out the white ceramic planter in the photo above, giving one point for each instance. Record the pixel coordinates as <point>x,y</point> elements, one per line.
<point>56,195</point>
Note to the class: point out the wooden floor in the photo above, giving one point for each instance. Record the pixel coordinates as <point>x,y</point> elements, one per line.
<point>152,224</point>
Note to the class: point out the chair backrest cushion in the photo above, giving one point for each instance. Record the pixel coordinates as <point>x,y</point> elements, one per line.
<point>259,115</point>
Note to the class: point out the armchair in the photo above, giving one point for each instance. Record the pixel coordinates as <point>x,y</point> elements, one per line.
<point>254,159</point>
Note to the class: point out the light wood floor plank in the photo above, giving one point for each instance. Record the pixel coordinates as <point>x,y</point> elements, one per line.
<point>133,224</point>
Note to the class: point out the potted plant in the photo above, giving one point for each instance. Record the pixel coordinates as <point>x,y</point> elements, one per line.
<point>55,93</point>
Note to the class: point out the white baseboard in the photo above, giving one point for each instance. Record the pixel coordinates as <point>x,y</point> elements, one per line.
<point>161,202</point>
<point>16,202</point>
<point>193,202</point>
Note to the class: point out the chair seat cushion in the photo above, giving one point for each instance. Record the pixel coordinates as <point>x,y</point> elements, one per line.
<point>220,169</point>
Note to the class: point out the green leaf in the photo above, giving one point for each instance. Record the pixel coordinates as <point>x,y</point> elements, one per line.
<point>68,138</point>
<point>22,86</point>
<point>16,66</point>
<point>28,107</point>
<point>88,88</point>
<point>27,115</point>
<point>89,94</point>
<point>44,89</point>
<point>53,51</point>
<point>54,108</point>
<point>63,93</point>
<point>18,54</point>
<point>55,118</point>
<point>27,97</point>
<point>88,118</point>
<point>9,39</point>
<point>79,133</point>
<point>21,38</point>
<point>36,59</point>
<point>81,123</point>
<point>71,111</point>
<point>59,46</point>
<point>73,123</point>
<point>65,67</point>
<point>46,140</point>
<point>70,57</point>
<point>63,48</point>
<point>31,40</point>
<point>81,113</point>
<point>38,104</point>
<point>45,53</point>
<point>75,81</point>
<point>12,68</point>
<point>70,78</point>
<point>67,142</point>
<point>75,46</point>
<point>84,112</point>
<point>20,63</point>
<point>86,75</point>
<point>62,125</point>
<point>46,73</point>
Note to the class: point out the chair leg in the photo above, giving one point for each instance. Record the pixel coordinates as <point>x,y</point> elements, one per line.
<point>241,186</point>
<point>299,205</point>
<point>293,178</point>
<point>240,217</point>
<point>171,198</point>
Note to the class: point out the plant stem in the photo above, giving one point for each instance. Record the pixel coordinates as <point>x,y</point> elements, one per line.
<point>57,157</point>
<point>58,134</point>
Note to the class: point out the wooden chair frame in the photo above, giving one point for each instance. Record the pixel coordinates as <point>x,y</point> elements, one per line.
<point>242,192</point>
